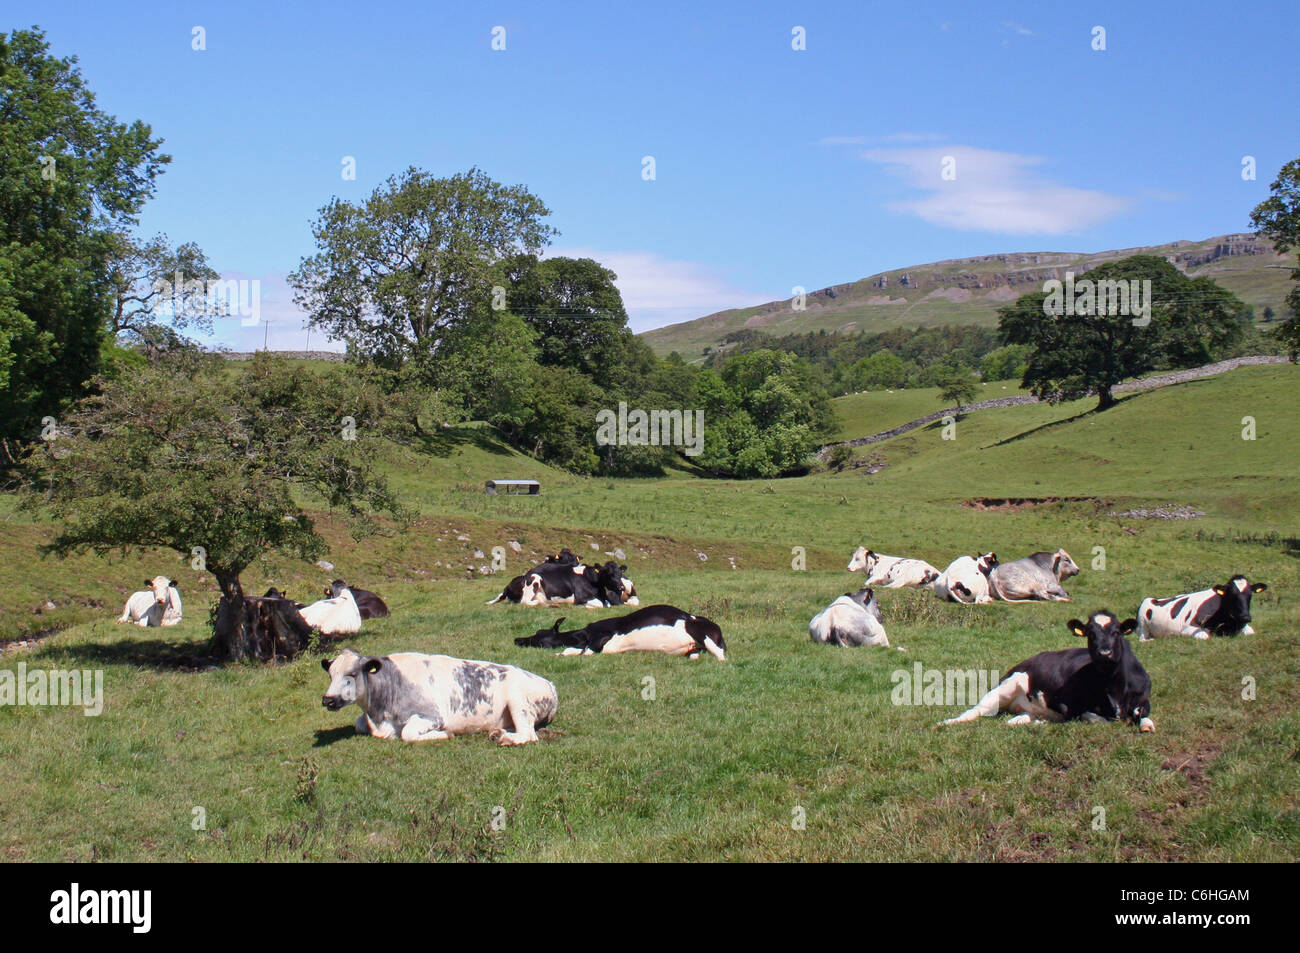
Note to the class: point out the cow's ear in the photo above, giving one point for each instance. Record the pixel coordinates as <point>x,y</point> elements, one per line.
<point>325,663</point>
<point>622,569</point>
<point>556,627</point>
<point>372,665</point>
<point>1128,626</point>
<point>148,583</point>
<point>1259,587</point>
<point>1220,590</point>
<point>1075,626</point>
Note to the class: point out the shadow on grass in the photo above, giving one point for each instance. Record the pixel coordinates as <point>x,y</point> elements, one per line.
<point>328,736</point>
<point>143,653</point>
<point>1065,420</point>
<point>440,442</point>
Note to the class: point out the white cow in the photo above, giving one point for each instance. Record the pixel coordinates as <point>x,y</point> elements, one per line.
<point>421,697</point>
<point>337,616</point>
<point>851,620</point>
<point>160,604</point>
<point>892,572</point>
<point>966,579</point>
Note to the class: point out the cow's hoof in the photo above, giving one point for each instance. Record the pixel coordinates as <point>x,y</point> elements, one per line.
<point>1146,725</point>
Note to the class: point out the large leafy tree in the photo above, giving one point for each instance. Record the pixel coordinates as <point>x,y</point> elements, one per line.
<point>573,305</point>
<point>395,273</point>
<point>184,454</point>
<point>1278,219</point>
<point>1191,320</point>
<point>71,178</point>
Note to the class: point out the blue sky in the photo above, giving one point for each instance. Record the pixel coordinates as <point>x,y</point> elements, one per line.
<point>774,167</point>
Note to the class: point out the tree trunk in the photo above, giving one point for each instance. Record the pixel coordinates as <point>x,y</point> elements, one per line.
<point>230,635</point>
<point>1105,399</point>
<point>266,629</point>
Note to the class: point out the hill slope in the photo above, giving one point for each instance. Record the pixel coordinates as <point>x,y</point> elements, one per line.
<point>970,290</point>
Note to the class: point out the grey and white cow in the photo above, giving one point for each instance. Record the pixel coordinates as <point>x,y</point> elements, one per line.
<point>892,572</point>
<point>419,697</point>
<point>1037,577</point>
<point>851,620</point>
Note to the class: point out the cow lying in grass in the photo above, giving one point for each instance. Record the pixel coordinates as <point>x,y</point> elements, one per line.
<point>420,697</point>
<point>1037,577</point>
<point>158,604</point>
<point>1221,610</point>
<point>966,579</point>
<point>892,572</point>
<point>851,620</point>
<point>338,615</point>
<point>1104,682</point>
<point>368,603</point>
<point>661,628</point>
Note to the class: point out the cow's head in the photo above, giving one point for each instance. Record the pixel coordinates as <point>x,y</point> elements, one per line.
<point>1063,567</point>
<point>862,597</point>
<point>1105,635</point>
<point>609,579</point>
<point>986,563</point>
<point>930,576</point>
<point>1233,614</point>
<point>348,678</point>
<point>335,589</point>
<point>565,558</point>
<point>863,559</point>
<point>159,585</point>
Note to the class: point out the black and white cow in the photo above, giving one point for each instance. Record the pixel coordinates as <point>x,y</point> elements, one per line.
<point>966,579</point>
<point>514,590</point>
<point>1221,610</point>
<point>1104,682</point>
<point>419,697</point>
<point>1036,577</point>
<point>664,629</point>
<point>851,620</point>
<point>892,572</point>
<point>592,586</point>
<point>368,603</point>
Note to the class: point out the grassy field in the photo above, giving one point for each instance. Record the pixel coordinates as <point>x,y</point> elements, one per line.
<point>725,758</point>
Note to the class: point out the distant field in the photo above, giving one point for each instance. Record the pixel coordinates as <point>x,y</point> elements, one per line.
<point>876,411</point>
<point>715,766</point>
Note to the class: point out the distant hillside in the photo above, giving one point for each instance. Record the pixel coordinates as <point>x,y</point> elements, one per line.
<point>970,290</point>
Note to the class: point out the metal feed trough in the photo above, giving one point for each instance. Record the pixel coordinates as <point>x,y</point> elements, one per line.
<point>530,487</point>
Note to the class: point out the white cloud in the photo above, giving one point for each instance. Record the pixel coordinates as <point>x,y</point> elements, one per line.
<point>1017,28</point>
<point>658,291</point>
<point>993,192</point>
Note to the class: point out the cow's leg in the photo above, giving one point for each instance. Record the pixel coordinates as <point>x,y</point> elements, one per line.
<point>523,717</point>
<point>384,730</point>
<point>363,725</point>
<point>574,650</point>
<point>1146,724</point>
<point>1248,631</point>
<point>419,728</point>
<point>1009,694</point>
<point>1022,719</point>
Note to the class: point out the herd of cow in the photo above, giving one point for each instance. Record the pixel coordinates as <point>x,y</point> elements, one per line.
<point>421,697</point>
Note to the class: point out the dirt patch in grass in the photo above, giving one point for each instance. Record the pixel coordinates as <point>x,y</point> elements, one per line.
<point>1016,504</point>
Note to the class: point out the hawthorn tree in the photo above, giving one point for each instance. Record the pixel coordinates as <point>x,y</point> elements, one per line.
<point>958,387</point>
<point>217,467</point>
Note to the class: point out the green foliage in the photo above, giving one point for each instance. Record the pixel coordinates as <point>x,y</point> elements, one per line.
<point>956,386</point>
<point>1278,219</point>
<point>1192,321</point>
<point>394,275</point>
<point>763,416</point>
<point>71,178</point>
<point>1007,362</point>
<point>182,454</point>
